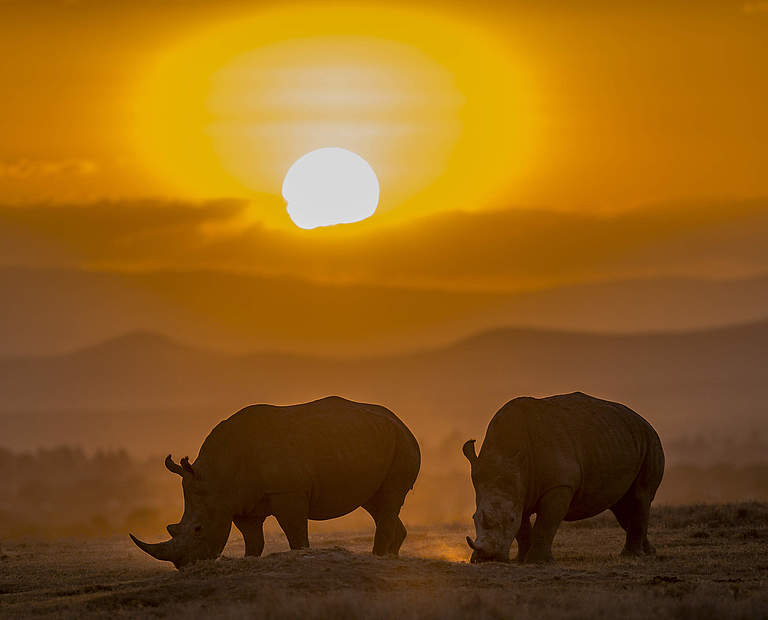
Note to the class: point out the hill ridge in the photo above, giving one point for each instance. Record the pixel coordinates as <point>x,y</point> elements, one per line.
<point>160,340</point>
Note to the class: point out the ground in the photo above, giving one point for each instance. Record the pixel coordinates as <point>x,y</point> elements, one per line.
<point>712,562</point>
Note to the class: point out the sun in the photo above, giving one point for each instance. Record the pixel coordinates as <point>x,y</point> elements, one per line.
<point>227,107</point>
<point>330,186</point>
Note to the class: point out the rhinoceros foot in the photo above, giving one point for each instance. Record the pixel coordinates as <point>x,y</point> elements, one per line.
<point>534,557</point>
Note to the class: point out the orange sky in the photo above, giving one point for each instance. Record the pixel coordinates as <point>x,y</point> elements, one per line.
<point>502,111</point>
<point>614,104</point>
<point>567,187</point>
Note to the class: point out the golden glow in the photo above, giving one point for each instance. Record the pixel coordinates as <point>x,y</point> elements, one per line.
<point>438,107</point>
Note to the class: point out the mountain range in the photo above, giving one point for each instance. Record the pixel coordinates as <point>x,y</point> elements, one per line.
<point>49,311</point>
<point>151,394</point>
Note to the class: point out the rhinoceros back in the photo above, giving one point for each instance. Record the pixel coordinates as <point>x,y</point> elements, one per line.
<point>336,451</point>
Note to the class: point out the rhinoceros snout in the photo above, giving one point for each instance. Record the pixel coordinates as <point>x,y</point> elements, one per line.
<point>480,554</point>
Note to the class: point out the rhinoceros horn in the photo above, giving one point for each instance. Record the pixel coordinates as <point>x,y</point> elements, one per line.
<point>469,451</point>
<point>472,544</point>
<point>167,551</point>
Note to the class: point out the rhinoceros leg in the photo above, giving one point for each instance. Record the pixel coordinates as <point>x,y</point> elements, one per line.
<point>390,534</point>
<point>550,512</point>
<point>292,511</point>
<point>384,507</point>
<point>386,503</point>
<point>389,537</point>
<point>523,538</point>
<point>632,513</point>
<point>252,529</point>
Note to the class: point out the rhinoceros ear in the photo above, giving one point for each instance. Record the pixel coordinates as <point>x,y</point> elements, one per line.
<point>185,464</point>
<point>469,451</point>
<point>172,467</point>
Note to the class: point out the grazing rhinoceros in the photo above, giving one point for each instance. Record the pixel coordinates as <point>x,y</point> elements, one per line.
<point>564,457</point>
<point>317,460</point>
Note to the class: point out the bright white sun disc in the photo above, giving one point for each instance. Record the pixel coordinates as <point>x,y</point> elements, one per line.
<point>330,186</point>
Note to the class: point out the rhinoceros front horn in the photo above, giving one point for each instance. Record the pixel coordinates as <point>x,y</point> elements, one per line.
<point>167,551</point>
<point>470,542</point>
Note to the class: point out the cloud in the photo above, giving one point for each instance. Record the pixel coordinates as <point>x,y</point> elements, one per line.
<point>33,168</point>
<point>505,249</point>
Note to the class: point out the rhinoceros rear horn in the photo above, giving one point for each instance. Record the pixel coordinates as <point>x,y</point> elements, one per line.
<point>469,451</point>
<point>166,551</point>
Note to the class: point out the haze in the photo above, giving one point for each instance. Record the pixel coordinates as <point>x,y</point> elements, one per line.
<point>576,201</point>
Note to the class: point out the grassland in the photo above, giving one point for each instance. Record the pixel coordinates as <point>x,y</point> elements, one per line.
<point>712,562</point>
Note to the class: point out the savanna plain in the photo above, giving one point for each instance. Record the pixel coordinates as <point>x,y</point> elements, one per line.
<point>711,562</point>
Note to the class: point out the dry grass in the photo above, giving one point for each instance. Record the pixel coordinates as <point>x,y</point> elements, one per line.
<point>712,563</point>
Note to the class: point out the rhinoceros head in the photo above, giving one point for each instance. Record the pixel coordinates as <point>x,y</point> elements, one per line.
<point>498,502</point>
<point>204,528</point>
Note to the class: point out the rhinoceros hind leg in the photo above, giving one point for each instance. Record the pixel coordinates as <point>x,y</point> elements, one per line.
<point>292,512</point>
<point>632,513</point>
<point>252,529</point>
<point>385,507</point>
<point>633,510</point>
<point>550,512</point>
<point>390,534</point>
<point>390,531</point>
<point>400,538</point>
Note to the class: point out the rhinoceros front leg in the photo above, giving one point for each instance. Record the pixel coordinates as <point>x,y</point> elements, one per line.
<point>550,512</point>
<point>252,529</point>
<point>292,512</point>
<point>523,538</point>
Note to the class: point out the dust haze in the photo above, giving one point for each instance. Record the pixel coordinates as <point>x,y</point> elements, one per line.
<point>107,415</point>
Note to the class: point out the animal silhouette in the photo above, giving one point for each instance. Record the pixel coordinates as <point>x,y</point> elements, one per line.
<point>566,457</point>
<point>317,460</point>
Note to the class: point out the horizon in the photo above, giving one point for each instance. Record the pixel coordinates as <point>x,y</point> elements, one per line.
<point>149,336</point>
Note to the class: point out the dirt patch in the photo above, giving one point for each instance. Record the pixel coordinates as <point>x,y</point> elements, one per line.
<point>692,576</point>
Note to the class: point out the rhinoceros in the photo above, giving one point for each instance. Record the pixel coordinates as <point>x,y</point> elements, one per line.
<point>317,460</point>
<point>565,457</point>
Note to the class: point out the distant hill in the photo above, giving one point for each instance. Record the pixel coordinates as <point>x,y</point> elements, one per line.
<point>50,311</point>
<point>150,394</point>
